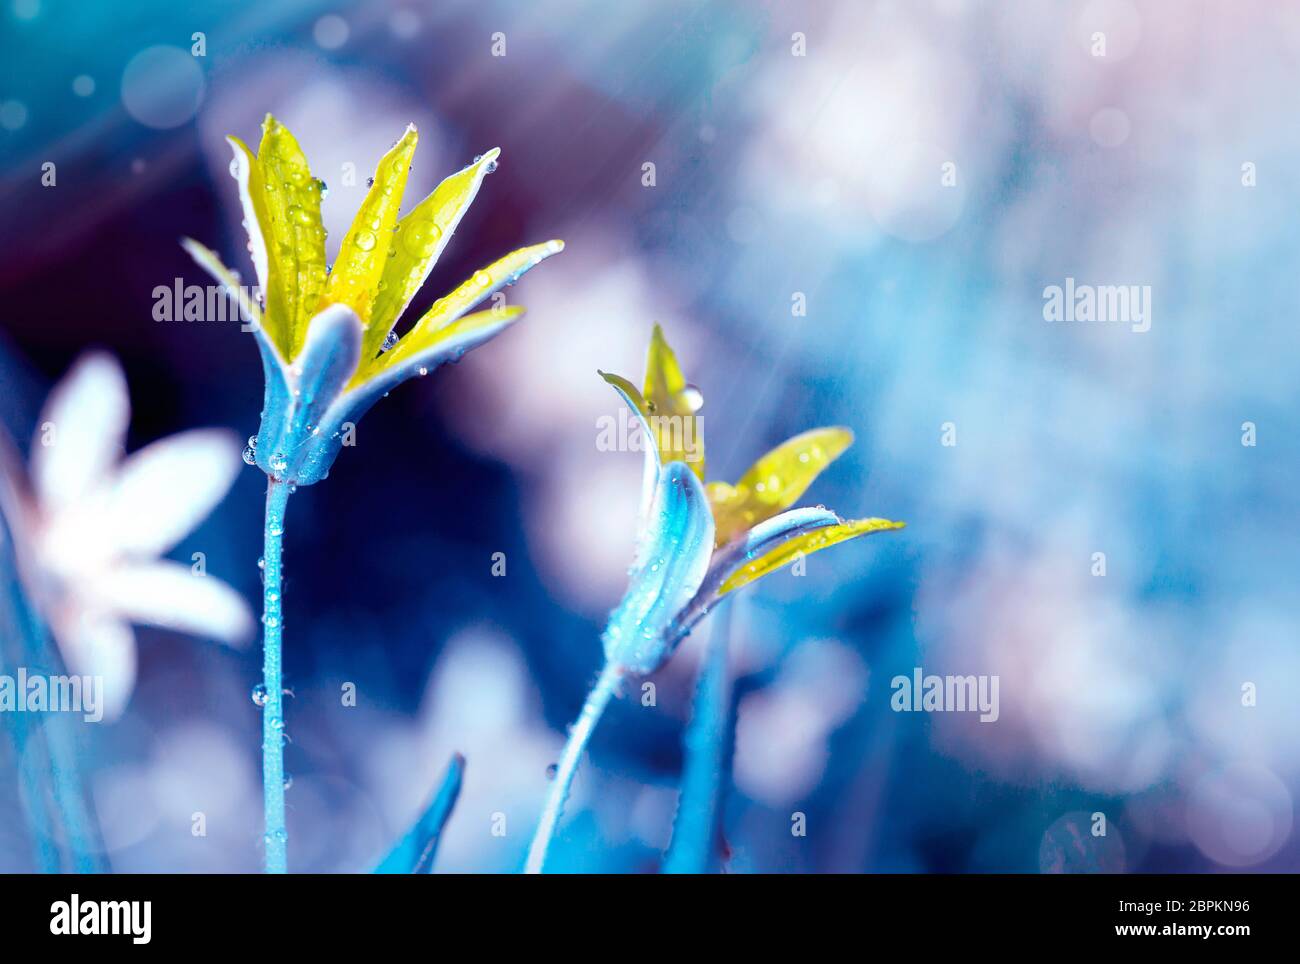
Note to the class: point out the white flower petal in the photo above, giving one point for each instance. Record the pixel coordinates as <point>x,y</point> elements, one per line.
<point>81,431</point>
<point>170,595</point>
<point>166,489</point>
<point>96,643</point>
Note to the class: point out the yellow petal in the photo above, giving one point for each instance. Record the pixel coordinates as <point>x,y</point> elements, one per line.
<point>776,481</point>
<point>421,236</point>
<point>276,316</point>
<point>803,545</point>
<point>208,260</point>
<point>631,394</point>
<point>422,343</point>
<point>672,403</point>
<point>292,228</point>
<point>359,268</point>
<point>446,310</point>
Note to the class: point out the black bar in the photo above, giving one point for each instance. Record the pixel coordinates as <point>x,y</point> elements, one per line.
<point>214,913</point>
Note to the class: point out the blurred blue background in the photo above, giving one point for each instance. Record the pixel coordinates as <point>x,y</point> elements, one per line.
<point>775,174</point>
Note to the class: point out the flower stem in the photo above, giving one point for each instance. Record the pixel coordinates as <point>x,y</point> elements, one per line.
<point>696,832</point>
<point>579,736</point>
<point>276,837</point>
<point>50,783</point>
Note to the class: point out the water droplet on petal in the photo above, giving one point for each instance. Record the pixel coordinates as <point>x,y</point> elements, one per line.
<point>389,341</point>
<point>694,398</point>
<point>259,695</point>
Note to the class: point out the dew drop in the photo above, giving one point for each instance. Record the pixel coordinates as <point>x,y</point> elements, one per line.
<point>288,780</point>
<point>693,397</point>
<point>389,341</point>
<point>259,695</point>
<point>250,456</point>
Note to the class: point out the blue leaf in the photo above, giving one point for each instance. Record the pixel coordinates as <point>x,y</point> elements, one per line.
<point>765,536</point>
<point>292,443</point>
<point>671,563</point>
<point>415,853</point>
<point>352,404</point>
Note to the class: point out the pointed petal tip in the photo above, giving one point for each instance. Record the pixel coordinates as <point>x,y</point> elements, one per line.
<point>874,524</point>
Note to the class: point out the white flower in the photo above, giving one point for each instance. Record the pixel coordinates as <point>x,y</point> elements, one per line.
<point>89,527</point>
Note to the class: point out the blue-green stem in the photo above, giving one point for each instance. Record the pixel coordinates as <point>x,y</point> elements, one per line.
<point>276,837</point>
<point>696,832</point>
<point>34,771</point>
<point>579,736</point>
<point>49,776</point>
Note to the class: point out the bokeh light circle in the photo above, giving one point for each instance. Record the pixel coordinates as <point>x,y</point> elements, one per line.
<point>331,32</point>
<point>1069,846</point>
<point>162,87</point>
<point>1240,815</point>
<point>915,191</point>
<point>13,115</point>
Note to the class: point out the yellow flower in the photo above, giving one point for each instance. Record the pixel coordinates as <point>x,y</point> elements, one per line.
<point>700,542</point>
<point>324,334</point>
